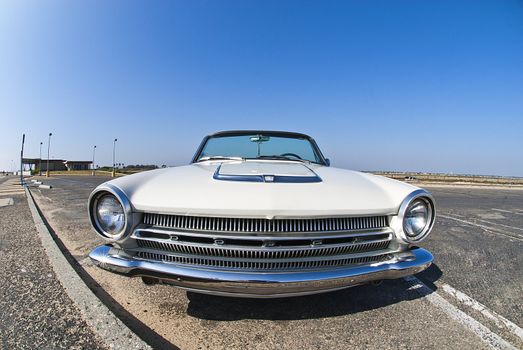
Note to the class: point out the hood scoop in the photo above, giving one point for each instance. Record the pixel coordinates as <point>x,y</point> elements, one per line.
<point>266,172</point>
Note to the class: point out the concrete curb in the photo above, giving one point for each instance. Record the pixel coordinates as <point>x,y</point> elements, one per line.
<point>109,328</point>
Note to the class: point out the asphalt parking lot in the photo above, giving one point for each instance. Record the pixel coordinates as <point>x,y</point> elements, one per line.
<point>471,294</point>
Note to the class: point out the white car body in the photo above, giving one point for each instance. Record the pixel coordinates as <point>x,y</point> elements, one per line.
<point>269,193</point>
<point>191,190</point>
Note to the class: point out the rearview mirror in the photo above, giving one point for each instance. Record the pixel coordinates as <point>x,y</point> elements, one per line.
<point>327,162</point>
<point>260,138</point>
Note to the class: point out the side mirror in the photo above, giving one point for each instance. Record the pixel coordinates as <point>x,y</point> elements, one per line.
<point>327,161</point>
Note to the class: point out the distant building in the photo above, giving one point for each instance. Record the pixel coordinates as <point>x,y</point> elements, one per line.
<point>56,164</point>
<point>78,164</point>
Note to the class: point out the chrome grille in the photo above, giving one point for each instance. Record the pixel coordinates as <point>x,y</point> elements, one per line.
<point>263,244</point>
<point>265,253</point>
<point>243,225</point>
<point>260,265</point>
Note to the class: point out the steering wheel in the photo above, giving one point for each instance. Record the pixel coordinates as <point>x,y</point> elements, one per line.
<point>291,154</point>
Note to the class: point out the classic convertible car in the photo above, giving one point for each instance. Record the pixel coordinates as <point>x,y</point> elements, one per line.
<point>260,214</point>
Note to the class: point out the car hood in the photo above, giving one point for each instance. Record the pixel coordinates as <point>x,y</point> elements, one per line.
<point>194,190</point>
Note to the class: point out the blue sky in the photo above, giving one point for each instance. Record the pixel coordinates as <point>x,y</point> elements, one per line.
<point>381,85</point>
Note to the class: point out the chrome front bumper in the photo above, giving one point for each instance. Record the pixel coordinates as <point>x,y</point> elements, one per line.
<point>266,284</point>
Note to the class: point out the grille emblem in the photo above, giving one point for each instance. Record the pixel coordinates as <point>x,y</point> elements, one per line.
<point>219,241</point>
<point>268,178</point>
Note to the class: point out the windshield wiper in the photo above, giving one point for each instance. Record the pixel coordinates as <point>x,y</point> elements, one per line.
<point>278,157</point>
<point>202,159</point>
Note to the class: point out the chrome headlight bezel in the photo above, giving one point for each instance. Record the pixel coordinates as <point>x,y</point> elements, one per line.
<point>96,195</point>
<point>407,202</point>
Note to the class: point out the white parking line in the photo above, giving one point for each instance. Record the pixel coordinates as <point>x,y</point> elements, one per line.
<point>500,321</point>
<point>11,188</point>
<point>493,230</point>
<point>498,224</point>
<point>493,223</point>
<point>12,193</point>
<point>507,211</point>
<point>485,334</point>
<point>4,202</point>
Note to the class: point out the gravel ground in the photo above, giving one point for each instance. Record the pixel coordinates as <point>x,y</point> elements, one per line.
<point>35,312</point>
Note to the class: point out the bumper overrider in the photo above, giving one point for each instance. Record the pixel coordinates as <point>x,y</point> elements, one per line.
<point>266,284</point>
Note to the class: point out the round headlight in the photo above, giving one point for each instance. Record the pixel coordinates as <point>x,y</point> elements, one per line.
<point>417,219</point>
<point>110,215</point>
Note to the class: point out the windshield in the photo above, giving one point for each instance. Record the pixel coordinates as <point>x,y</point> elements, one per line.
<point>259,146</point>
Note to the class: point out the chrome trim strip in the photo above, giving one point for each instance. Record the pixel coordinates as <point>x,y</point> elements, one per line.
<point>136,235</point>
<point>263,285</point>
<point>275,236</point>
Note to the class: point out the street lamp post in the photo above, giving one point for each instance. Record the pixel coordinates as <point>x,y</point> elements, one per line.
<point>48,148</point>
<point>94,149</point>
<point>114,159</point>
<point>22,162</point>
<point>40,162</point>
